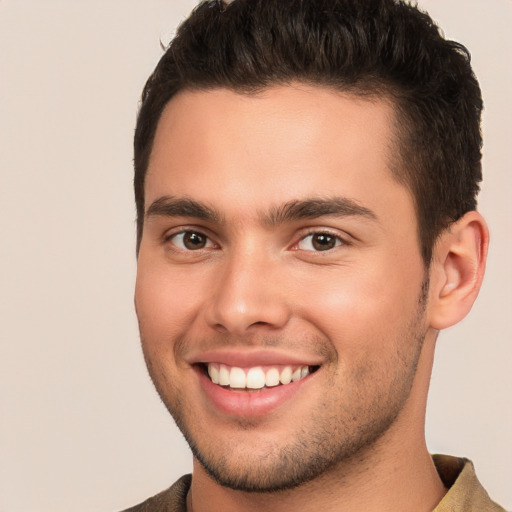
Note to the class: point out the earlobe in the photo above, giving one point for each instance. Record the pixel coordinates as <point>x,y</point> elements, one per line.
<point>457,270</point>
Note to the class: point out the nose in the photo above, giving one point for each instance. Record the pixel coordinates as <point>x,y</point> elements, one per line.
<point>248,295</point>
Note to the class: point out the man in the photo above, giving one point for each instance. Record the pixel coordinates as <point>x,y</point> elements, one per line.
<point>305,177</point>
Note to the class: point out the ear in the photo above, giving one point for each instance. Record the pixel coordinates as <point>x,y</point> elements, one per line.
<point>457,270</point>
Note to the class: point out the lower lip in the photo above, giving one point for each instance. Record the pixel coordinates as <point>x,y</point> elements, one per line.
<point>249,404</point>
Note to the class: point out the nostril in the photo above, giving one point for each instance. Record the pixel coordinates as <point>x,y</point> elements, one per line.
<point>239,305</point>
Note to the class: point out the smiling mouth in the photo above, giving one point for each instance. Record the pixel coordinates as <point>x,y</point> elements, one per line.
<point>255,378</point>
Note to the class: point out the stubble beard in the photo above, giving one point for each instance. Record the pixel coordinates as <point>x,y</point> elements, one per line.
<point>338,441</point>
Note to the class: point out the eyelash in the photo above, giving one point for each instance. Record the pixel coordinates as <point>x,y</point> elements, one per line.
<point>338,240</point>
<point>183,233</point>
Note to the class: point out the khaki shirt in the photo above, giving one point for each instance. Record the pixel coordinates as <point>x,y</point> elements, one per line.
<point>465,493</point>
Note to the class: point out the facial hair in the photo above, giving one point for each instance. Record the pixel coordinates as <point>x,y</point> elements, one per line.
<point>331,437</point>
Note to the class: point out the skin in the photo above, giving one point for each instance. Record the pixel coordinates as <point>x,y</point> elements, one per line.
<point>351,436</point>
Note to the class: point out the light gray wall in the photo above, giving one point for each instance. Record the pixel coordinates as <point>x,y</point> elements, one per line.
<point>81,428</point>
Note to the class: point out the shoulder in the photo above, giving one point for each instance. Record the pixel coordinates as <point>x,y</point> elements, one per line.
<point>465,492</point>
<point>173,499</point>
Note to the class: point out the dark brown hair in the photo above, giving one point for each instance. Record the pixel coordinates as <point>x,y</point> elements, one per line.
<point>374,48</point>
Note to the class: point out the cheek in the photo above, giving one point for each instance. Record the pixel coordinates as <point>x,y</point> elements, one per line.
<point>363,310</point>
<point>165,303</point>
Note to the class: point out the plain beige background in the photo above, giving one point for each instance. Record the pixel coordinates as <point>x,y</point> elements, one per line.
<point>81,428</point>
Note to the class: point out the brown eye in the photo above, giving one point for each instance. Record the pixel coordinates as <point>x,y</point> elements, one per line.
<point>319,242</point>
<point>190,240</point>
<point>323,241</point>
<point>193,240</point>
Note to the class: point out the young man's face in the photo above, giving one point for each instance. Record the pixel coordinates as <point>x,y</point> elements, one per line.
<point>277,244</point>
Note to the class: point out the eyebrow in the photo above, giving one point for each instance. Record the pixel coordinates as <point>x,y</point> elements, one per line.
<point>168,206</point>
<point>317,207</point>
<point>311,208</point>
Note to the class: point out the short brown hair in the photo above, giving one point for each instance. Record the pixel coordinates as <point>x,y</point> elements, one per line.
<point>365,47</point>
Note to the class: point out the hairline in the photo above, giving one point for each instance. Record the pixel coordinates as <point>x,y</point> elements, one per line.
<point>370,90</point>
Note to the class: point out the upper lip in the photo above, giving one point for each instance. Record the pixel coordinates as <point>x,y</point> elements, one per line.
<point>251,358</point>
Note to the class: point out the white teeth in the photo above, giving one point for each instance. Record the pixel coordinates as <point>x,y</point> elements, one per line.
<point>286,375</point>
<point>295,375</point>
<point>213,372</point>
<point>256,377</point>
<point>272,378</point>
<point>223,375</point>
<point>237,378</point>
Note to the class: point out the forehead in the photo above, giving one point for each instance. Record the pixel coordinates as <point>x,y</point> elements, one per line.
<point>282,144</point>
